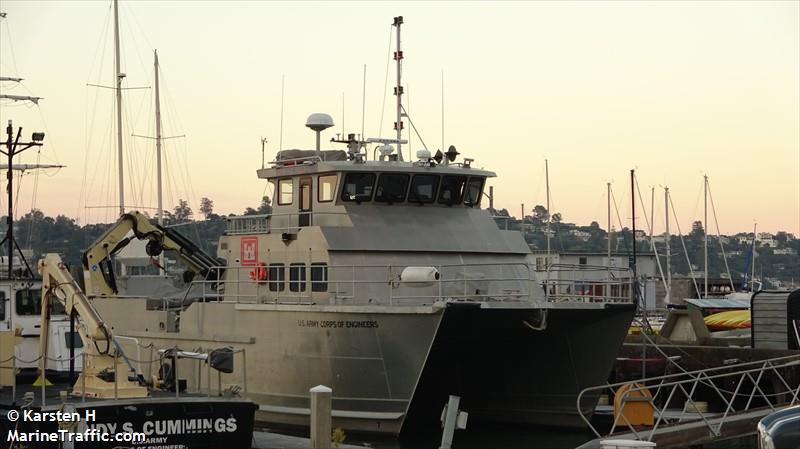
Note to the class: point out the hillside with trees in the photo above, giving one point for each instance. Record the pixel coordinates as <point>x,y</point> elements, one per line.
<point>776,259</point>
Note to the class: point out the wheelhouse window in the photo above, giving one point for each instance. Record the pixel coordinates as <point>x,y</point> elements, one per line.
<point>452,189</point>
<point>391,188</point>
<point>276,277</point>
<point>2,306</point>
<point>297,277</point>
<point>319,277</point>
<point>472,195</point>
<point>326,185</point>
<point>423,188</point>
<point>358,187</point>
<point>29,302</point>
<point>285,192</point>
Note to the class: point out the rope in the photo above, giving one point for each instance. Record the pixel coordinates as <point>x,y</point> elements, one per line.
<point>719,239</point>
<point>683,243</point>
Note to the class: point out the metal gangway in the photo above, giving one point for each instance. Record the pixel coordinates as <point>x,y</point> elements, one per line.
<point>742,393</point>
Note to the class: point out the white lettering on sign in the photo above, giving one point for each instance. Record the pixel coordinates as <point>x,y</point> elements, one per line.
<point>249,254</point>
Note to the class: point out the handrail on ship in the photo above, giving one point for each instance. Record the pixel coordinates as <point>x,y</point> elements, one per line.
<point>346,284</point>
<point>263,223</point>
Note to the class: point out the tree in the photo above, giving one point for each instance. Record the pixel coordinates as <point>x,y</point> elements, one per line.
<point>594,225</point>
<point>182,211</point>
<point>697,229</point>
<point>266,206</point>
<point>206,207</point>
<point>557,217</point>
<point>540,213</point>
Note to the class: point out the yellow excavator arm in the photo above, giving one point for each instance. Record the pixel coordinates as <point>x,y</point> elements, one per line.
<point>97,261</point>
<point>104,360</point>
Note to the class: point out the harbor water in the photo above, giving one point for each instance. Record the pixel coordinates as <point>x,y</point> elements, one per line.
<point>508,437</point>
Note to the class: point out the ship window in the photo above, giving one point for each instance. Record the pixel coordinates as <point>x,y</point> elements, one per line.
<point>297,277</point>
<point>358,187</point>
<point>29,303</point>
<point>285,192</point>
<point>2,306</point>
<point>319,277</point>
<point>391,188</point>
<point>326,186</point>
<point>452,189</point>
<point>73,340</point>
<point>472,195</point>
<point>423,188</point>
<point>276,277</point>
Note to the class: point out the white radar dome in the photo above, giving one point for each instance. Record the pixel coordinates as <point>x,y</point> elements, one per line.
<point>319,121</point>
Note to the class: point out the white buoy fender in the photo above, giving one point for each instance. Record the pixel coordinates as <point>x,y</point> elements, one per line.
<point>419,276</point>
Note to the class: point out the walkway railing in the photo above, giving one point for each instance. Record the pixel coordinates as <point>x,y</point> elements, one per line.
<point>203,385</point>
<point>738,388</point>
<point>383,284</point>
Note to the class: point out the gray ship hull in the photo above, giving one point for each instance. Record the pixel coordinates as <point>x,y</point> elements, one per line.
<point>392,368</point>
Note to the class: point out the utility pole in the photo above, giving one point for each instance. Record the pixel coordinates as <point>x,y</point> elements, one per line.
<point>12,148</point>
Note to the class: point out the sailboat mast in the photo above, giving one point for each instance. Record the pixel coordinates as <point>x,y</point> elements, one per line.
<point>547,200</point>
<point>608,232</point>
<point>158,145</point>
<point>118,75</point>
<point>666,244</point>
<point>705,236</point>
<point>753,262</point>
<point>633,225</point>
<point>398,90</point>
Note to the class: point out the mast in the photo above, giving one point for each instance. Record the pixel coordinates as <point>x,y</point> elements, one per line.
<point>398,90</point>
<point>666,242</point>
<point>158,145</point>
<point>118,87</point>
<point>705,236</point>
<point>547,200</point>
<point>608,194</point>
<point>633,225</point>
<point>753,262</point>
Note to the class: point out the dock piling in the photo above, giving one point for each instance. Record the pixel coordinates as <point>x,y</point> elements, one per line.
<point>321,417</point>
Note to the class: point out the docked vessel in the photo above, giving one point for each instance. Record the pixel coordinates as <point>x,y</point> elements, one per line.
<point>383,279</point>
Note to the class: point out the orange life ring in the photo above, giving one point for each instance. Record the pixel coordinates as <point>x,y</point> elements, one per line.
<point>259,273</point>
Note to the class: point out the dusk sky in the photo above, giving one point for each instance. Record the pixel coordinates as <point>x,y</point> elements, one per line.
<point>675,90</point>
